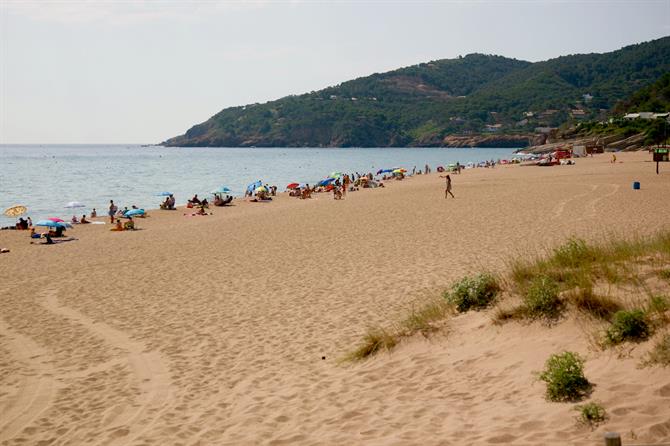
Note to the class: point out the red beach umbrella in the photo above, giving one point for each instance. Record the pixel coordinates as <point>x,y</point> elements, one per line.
<point>293,186</point>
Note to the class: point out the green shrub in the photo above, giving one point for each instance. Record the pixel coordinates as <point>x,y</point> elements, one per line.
<point>664,274</point>
<point>541,300</point>
<point>564,375</point>
<point>473,292</point>
<point>591,414</point>
<point>627,326</point>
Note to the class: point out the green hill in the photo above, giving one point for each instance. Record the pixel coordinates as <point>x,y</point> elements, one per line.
<point>421,104</point>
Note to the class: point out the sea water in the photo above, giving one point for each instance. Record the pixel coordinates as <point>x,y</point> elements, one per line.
<point>46,177</point>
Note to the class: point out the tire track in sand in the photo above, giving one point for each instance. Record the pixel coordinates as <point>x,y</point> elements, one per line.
<point>37,390</point>
<point>592,209</point>
<point>150,373</point>
<point>560,207</point>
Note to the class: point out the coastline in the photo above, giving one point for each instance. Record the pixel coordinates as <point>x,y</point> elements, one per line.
<point>213,329</point>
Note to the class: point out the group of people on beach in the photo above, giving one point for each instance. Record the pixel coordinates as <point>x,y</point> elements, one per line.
<point>340,186</point>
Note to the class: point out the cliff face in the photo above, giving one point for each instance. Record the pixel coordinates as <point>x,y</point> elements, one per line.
<point>502,141</point>
<point>425,104</point>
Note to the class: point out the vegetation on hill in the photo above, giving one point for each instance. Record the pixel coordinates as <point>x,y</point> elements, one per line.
<point>421,104</point>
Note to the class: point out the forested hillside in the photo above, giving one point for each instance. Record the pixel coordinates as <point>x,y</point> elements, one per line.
<point>422,104</point>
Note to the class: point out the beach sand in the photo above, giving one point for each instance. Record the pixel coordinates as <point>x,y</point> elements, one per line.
<point>229,329</point>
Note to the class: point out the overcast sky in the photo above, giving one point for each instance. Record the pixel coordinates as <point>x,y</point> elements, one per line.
<point>143,71</point>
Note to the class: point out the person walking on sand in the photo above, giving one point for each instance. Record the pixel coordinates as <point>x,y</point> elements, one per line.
<point>613,158</point>
<point>447,191</point>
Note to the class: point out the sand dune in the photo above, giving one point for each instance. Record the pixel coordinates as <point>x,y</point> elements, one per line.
<point>212,330</point>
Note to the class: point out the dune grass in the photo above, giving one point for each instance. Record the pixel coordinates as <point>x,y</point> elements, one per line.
<point>566,278</point>
<point>578,264</point>
<point>659,354</point>
<point>585,300</point>
<point>422,320</point>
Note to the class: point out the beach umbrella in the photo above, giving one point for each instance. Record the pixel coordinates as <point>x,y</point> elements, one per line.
<point>252,187</point>
<point>222,190</point>
<point>261,189</point>
<point>325,182</point>
<point>336,174</point>
<point>56,219</point>
<point>75,204</point>
<point>53,224</point>
<point>134,212</point>
<point>293,186</point>
<point>16,210</point>
<point>164,194</point>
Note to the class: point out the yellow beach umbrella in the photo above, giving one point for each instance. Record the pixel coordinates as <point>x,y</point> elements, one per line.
<point>15,211</point>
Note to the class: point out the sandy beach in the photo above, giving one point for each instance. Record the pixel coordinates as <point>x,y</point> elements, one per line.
<point>229,329</point>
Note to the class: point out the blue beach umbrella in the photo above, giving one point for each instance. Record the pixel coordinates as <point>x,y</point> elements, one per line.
<point>53,224</point>
<point>252,187</point>
<point>222,190</point>
<point>325,182</point>
<point>134,212</point>
<point>164,194</point>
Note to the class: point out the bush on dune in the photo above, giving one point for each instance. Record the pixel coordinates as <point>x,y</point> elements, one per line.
<point>476,292</point>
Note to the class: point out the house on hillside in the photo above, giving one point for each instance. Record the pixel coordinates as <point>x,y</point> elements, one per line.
<point>493,128</point>
<point>545,130</point>
<point>578,113</point>
<point>640,115</point>
<point>587,97</point>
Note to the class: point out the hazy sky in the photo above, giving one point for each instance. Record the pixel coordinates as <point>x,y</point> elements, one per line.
<point>142,71</point>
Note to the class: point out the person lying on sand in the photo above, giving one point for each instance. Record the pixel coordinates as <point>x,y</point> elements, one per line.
<point>3,250</point>
<point>50,241</point>
<point>83,220</point>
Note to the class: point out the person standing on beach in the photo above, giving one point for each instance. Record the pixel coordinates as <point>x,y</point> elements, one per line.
<point>447,191</point>
<point>112,211</point>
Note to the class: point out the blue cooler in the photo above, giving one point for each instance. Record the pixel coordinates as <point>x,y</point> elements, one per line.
<point>636,185</point>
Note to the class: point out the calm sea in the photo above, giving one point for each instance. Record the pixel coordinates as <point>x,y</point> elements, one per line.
<point>46,177</point>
